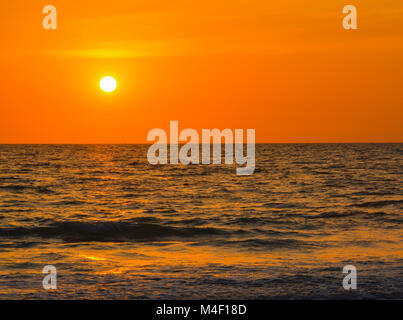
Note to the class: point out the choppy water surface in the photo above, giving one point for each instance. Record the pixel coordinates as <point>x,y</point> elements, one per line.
<point>117,227</point>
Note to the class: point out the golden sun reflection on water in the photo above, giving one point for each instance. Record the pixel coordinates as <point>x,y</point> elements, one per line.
<point>93,258</point>
<point>142,258</point>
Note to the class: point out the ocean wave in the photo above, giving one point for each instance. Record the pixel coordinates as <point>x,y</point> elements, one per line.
<point>261,244</point>
<point>284,205</point>
<point>18,188</point>
<point>110,231</point>
<point>378,204</point>
<point>335,214</point>
<point>14,187</point>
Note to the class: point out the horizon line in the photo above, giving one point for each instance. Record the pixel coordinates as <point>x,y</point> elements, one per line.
<point>145,143</point>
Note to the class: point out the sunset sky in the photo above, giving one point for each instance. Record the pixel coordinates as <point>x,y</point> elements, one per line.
<point>285,68</point>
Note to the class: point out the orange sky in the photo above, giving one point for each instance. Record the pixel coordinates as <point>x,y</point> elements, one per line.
<point>285,68</point>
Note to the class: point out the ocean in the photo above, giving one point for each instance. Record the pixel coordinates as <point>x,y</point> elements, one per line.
<point>116,227</point>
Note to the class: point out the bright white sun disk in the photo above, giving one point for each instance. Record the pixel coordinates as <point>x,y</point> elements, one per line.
<point>108,84</point>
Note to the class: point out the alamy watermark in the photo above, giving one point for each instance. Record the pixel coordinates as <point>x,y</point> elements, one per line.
<point>49,22</point>
<point>350,20</point>
<point>350,280</point>
<point>189,153</point>
<point>50,280</point>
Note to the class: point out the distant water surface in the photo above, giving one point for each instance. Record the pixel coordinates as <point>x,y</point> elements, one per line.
<point>117,227</point>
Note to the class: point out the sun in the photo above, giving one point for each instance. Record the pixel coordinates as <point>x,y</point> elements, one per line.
<point>108,84</point>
